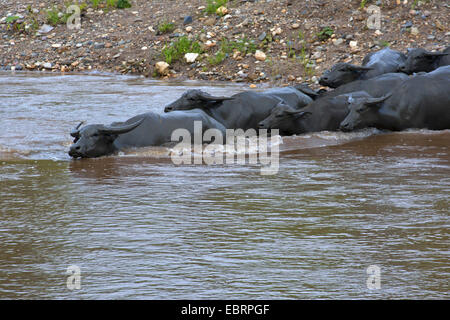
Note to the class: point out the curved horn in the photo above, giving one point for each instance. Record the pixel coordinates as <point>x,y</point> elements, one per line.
<point>374,101</point>
<point>304,88</point>
<point>121,129</point>
<point>353,67</point>
<point>435,54</point>
<point>298,113</point>
<point>207,97</point>
<point>76,132</point>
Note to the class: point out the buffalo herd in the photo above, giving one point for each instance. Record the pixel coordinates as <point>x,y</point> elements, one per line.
<point>390,90</point>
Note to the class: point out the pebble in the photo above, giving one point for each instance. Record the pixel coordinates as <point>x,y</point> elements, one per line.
<point>277,31</point>
<point>162,68</point>
<point>262,36</point>
<point>316,55</point>
<point>47,65</point>
<point>259,55</point>
<point>45,28</point>
<point>190,57</point>
<point>407,24</point>
<point>338,42</point>
<point>99,45</point>
<point>222,11</point>
<point>378,32</point>
<point>210,43</point>
<point>414,31</point>
<point>187,20</point>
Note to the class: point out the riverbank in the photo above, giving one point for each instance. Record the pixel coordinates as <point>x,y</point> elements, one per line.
<point>275,42</point>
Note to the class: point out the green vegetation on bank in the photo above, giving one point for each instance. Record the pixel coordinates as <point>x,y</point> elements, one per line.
<point>177,49</point>
<point>325,34</point>
<point>213,5</point>
<point>166,27</point>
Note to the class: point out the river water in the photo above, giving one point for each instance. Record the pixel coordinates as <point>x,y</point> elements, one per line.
<point>137,226</point>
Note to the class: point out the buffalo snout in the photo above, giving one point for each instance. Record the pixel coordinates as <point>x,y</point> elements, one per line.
<point>75,151</point>
<point>346,127</point>
<point>262,125</point>
<point>401,68</point>
<point>323,80</point>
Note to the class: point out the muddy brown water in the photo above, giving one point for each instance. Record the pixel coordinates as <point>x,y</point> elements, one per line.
<point>138,226</point>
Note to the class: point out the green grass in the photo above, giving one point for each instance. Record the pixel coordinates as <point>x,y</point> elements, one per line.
<point>309,71</point>
<point>218,58</point>
<point>166,27</point>
<point>95,3</point>
<point>325,33</point>
<point>12,19</point>
<point>123,4</point>
<point>120,4</point>
<point>213,5</point>
<point>177,49</point>
<point>53,17</point>
<point>243,45</point>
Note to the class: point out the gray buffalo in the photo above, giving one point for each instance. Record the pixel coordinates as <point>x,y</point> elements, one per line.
<point>148,129</point>
<point>242,110</point>
<point>421,60</point>
<point>422,101</point>
<point>374,64</point>
<point>376,87</point>
<point>328,110</point>
<point>324,114</point>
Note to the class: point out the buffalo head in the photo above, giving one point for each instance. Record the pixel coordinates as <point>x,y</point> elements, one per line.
<point>283,117</point>
<point>420,60</point>
<point>97,140</point>
<point>342,73</point>
<point>363,112</point>
<point>193,99</point>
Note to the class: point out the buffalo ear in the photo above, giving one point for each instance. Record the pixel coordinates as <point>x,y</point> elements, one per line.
<point>76,132</point>
<point>207,97</point>
<point>375,102</point>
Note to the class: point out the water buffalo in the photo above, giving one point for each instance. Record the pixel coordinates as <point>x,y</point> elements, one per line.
<point>243,110</point>
<point>148,129</point>
<point>376,87</point>
<point>327,111</point>
<point>324,114</point>
<point>374,64</point>
<point>422,101</point>
<point>421,60</point>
